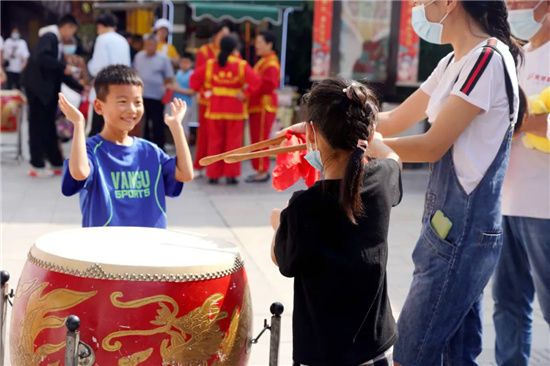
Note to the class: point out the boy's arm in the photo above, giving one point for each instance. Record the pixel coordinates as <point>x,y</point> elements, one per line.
<point>184,164</point>
<point>79,166</point>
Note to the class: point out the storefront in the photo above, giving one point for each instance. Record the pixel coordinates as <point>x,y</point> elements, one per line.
<point>373,41</point>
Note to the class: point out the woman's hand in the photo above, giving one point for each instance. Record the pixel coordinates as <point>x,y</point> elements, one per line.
<point>298,128</point>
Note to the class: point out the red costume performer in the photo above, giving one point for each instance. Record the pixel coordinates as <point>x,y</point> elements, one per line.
<point>207,52</point>
<point>226,109</point>
<point>263,104</point>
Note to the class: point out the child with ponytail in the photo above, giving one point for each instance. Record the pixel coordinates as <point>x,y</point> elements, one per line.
<point>332,237</point>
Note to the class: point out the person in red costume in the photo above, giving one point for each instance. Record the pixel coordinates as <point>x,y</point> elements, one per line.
<point>263,104</point>
<point>229,80</point>
<point>206,52</point>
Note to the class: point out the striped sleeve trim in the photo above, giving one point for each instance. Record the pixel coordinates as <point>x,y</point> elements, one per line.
<point>478,69</point>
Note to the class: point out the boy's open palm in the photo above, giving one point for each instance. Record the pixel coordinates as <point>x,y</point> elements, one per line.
<point>69,110</point>
<point>177,111</point>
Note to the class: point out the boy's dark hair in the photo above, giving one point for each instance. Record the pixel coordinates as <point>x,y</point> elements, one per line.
<point>269,37</point>
<point>67,19</point>
<point>107,20</point>
<point>115,75</point>
<point>188,55</point>
<point>344,112</point>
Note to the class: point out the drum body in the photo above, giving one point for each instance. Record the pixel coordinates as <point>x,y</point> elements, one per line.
<point>144,297</point>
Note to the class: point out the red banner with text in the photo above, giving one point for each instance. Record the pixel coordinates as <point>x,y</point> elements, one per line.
<point>322,32</point>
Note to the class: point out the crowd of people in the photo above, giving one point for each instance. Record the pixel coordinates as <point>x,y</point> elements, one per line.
<point>55,65</point>
<point>487,208</point>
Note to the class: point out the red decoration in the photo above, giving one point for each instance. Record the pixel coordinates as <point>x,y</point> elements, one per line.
<point>290,167</point>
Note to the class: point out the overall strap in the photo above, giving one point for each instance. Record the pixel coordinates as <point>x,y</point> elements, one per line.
<point>480,66</point>
<point>508,82</point>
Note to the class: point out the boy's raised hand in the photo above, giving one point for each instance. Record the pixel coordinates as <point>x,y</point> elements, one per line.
<point>177,111</point>
<point>69,110</point>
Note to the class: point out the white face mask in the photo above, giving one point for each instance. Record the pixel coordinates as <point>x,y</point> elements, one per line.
<point>523,23</point>
<point>428,31</point>
<point>313,157</point>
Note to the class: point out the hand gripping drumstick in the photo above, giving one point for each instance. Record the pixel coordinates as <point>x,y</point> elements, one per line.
<point>246,149</point>
<point>233,158</point>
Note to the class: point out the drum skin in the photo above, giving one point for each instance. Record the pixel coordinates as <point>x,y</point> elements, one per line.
<point>135,319</point>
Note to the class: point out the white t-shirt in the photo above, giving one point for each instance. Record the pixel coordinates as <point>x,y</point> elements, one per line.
<point>109,49</point>
<point>477,146</point>
<point>526,189</point>
<point>15,51</point>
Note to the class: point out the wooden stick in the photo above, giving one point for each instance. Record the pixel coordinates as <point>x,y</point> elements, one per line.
<point>258,145</point>
<point>233,158</point>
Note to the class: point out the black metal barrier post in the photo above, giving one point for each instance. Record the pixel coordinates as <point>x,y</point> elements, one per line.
<point>275,328</point>
<point>77,353</point>
<point>73,339</point>
<point>5,295</point>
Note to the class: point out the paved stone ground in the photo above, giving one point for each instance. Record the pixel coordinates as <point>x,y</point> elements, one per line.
<point>240,214</point>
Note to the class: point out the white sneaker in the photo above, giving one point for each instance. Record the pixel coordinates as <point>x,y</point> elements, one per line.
<point>40,172</point>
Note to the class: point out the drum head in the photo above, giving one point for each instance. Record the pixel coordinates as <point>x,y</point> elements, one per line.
<point>133,252</point>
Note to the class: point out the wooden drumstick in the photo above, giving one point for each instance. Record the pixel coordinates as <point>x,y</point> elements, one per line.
<point>258,145</point>
<point>233,158</point>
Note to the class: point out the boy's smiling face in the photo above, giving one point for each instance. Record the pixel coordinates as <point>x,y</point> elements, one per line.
<point>122,108</point>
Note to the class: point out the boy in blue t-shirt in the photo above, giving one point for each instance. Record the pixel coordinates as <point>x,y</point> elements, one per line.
<point>123,180</point>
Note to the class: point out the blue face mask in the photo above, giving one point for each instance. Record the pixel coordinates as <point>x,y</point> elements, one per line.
<point>15,36</point>
<point>523,23</point>
<point>69,49</point>
<point>313,157</point>
<point>428,31</point>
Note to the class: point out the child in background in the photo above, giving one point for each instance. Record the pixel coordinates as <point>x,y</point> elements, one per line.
<point>182,90</point>
<point>123,180</point>
<point>332,237</point>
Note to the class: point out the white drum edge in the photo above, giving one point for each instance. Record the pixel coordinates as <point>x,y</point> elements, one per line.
<point>135,254</point>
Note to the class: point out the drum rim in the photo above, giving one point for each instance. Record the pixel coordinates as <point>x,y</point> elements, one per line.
<point>96,270</point>
<point>131,273</point>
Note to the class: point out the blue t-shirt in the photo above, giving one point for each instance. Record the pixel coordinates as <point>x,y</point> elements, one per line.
<point>182,78</point>
<point>127,185</point>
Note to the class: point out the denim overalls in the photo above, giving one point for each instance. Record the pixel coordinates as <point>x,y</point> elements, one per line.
<point>441,319</point>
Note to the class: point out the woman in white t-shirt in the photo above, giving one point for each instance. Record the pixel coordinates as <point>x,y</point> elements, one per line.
<point>15,55</point>
<point>472,101</point>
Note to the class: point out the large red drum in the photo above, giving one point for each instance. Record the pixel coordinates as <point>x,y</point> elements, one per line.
<point>144,297</point>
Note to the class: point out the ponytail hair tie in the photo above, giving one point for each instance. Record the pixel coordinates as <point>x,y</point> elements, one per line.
<point>347,90</point>
<point>362,144</point>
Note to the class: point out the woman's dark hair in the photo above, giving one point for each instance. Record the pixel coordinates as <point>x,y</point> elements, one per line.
<point>269,37</point>
<point>228,44</point>
<point>493,17</point>
<point>219,26</point>
<point>344,112</point>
